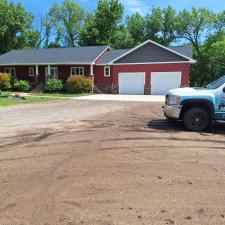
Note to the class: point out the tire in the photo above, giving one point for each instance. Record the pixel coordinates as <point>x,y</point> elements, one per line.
<point>196,119</point>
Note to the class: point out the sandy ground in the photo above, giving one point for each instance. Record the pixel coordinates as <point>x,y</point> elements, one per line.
<point>118,164</point>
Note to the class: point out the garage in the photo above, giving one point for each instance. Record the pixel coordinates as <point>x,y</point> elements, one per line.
<point>162,82</point>
<point>131,83</point>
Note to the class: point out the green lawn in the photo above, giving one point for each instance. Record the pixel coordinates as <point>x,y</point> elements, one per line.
<point>29,99</point>
<point>59,94</point>
<point>35,98</point>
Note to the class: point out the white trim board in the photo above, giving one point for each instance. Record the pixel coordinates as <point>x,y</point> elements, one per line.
<point>144,63</point>
<point>108,47</point>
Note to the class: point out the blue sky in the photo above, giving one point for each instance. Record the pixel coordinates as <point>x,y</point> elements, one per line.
<point>38,7</point>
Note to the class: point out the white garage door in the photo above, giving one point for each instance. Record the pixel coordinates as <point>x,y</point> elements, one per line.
<point>162,82</point>
<point>131,83</point>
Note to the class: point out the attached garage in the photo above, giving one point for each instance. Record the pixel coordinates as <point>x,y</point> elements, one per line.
<point>131,83</point>
<point>149,68</point>
<point>162,82</point>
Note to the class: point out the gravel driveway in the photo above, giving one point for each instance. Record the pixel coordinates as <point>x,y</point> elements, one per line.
<point>108,163</point>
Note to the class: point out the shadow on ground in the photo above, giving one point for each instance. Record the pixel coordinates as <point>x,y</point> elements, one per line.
<point>177,126</point>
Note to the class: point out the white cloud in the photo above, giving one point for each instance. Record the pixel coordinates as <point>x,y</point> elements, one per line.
<point>133,6</point>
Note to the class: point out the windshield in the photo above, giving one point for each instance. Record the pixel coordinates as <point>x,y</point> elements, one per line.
<point>217,83</point>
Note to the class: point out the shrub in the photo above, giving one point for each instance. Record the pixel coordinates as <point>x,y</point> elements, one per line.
<point>5,81</point>
<point>79,84</point>
<point>54,85</point>
<point>21,85</point>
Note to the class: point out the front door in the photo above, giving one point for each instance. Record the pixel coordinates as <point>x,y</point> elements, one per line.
<point>220,103</point>
<point>53,73</point>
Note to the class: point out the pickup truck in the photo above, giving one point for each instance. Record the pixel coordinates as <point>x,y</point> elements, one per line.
<point>197,107</point>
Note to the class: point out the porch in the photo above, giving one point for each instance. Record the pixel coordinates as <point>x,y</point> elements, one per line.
<point>41,73</point>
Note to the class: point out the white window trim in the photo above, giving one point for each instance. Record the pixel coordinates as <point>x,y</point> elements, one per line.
<point>107,75</point>
<point>11,68</point>
<point>56,71</point>
<point>75,68</point>
<point>31,75</point>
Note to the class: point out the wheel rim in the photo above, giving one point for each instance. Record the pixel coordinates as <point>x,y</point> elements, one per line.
<point>198,120</point>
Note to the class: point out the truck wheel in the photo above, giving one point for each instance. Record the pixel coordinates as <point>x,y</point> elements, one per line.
<point>196,119</point>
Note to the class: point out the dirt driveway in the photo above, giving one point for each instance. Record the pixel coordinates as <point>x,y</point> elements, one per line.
<point>117,163</point>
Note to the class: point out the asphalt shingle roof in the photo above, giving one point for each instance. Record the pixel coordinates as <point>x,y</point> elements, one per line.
<point>52,56</point>
<point>184,50</point>
<point>111,55</point>
<point>79,55</point>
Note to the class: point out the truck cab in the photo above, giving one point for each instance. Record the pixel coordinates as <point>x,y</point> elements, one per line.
<point>197,107</point>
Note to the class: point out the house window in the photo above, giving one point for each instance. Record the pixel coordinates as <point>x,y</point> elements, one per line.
<point>53,73</point>
<point>77,71</point>
<point>107,71</point>
<point>11,71</point>
<point>31,71</point>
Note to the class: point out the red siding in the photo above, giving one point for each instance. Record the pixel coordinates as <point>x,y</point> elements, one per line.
<point>99,75</point>
<point>22,72</point>
<point>149,68</point>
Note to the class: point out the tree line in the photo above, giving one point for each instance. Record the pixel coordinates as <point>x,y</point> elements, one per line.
<point>69,25</point>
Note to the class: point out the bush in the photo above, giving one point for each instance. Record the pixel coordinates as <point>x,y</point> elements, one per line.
<point>21,85</point>
<point>54,85</point>
<point>5,81</point>
<point>79,84</point>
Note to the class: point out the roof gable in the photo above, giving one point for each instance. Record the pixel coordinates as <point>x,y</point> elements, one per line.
<point>111,55</point>
<point>152,52</point>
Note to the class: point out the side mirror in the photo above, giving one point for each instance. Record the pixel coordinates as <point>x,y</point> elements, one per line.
<point>224,89</point>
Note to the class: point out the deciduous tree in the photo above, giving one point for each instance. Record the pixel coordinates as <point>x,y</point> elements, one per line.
<point>67,19</point>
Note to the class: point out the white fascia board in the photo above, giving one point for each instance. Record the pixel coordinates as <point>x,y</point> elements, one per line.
<point>44,64</point>
<point>108,47</point>
<point>191,62</point>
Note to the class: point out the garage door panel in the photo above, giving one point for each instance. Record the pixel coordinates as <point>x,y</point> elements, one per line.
<point>131,83</point>
<point>162,82</point>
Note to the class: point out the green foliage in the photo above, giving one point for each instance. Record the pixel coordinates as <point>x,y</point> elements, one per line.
<point>16,29</point>
<point>54,85</point>
<point>79,84</point>
<point>211,64</point>
<point>193,25</point>
<point>101,27</point>
<point>67,19</point>
<point>5,80</point>
<point>21,85</point>
<point>162,25</point>
<point>123,39</point>
<point>136,27</point>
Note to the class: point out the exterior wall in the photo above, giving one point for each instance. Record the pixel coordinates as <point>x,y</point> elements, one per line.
<point>148,69</point>
<point>102,83</point>
<point>22,72</point>
<point>109,84</point>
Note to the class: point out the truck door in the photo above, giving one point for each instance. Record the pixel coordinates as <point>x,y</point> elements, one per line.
<point>220,103</point>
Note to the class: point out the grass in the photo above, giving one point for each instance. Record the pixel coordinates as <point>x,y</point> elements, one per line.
<point>59,95</point>
<point>29,99</point>
<point>35,98</point>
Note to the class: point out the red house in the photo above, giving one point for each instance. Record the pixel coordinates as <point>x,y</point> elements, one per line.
<point>149,68</point>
